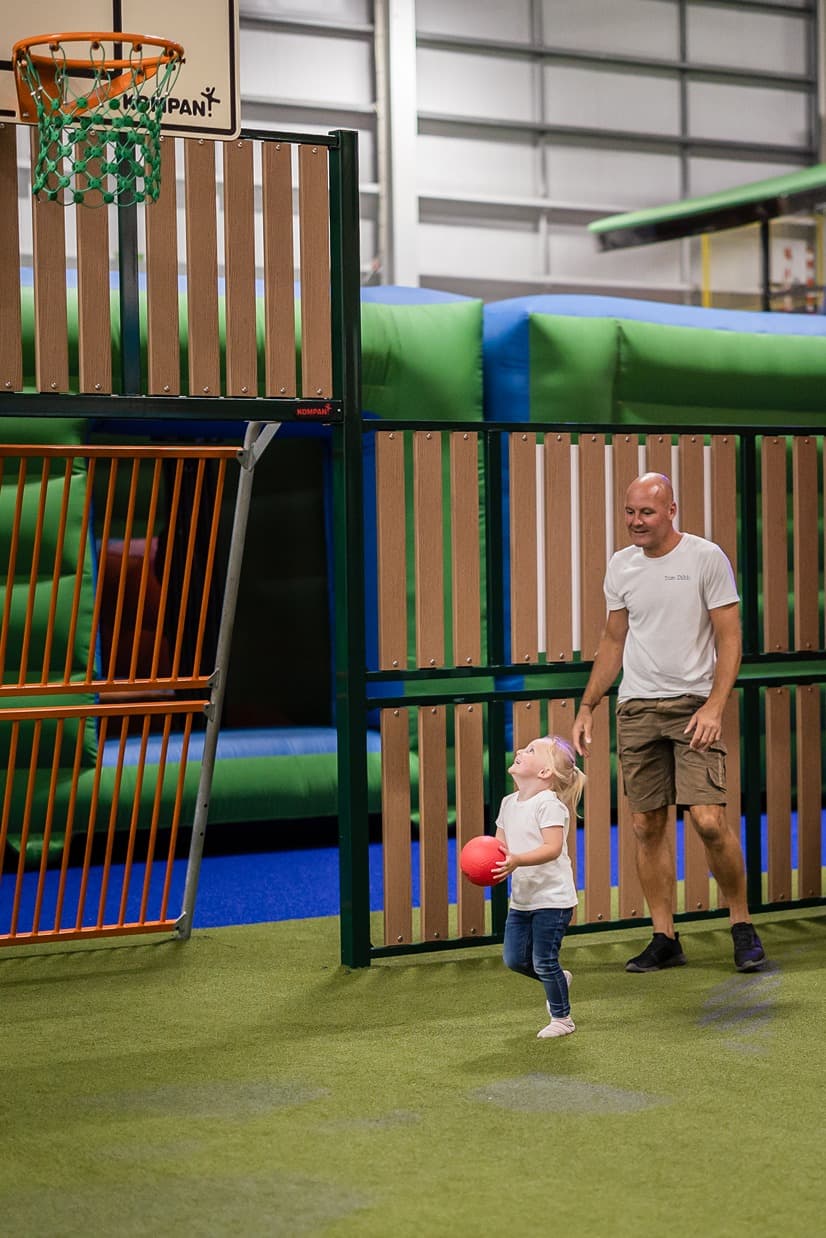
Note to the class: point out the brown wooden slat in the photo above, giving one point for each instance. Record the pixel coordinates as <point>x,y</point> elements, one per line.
<point>11,337</point>
<point>427,507</point>
<point>731,738</point>
<point>94,328</point>
<point>470,810</point>
<point>314,247</point>
<point>559,640</point>
<point>527,723</point>
<point>163,351</point>
<point>775,546</point>
<point>50,314</point>
<point>626,465</point>
<point>598,821</point>
<point>279,268</point>
<point>395,816</point>
<point>696,884</point>
<point>202,268</point>
<point>592,561</point>
<point>691,509</point>
<point>631,900</point>
<point>523,548</point>
<point>239,256</point>
<point>806,570</point>
<point>779,793</point>
<point>724,495</point>
<point>658,454</point>
<point>809,784</point>
<point>433,822</point>
<point>465,562</point>
<point>391,519</point>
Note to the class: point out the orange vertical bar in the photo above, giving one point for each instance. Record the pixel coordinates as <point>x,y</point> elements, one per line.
<point>11,571</point>
<point>112,823</point>
<point>47,825</point>
<point>160,620</point>
<point>79,566</point>
<point>314,250</point>
<point>104,547</point>
<point>176,816</point>
<point>145,569</point>
<point>209,564</point>
<point>239,260</point>
<point>192,516</point>
<point>395,815</point>
<point>25,827</point>
<point>133,822</point>
<point>37,541</point>
<point>279,268</point>
<point>524,591</point>
<point>91,822</point>
<point>70,819</point>
<point>159,775</point>
<point>60,539</point>
<point>117,618</point>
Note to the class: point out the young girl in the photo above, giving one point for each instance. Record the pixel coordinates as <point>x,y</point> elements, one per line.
<point>532,826</point>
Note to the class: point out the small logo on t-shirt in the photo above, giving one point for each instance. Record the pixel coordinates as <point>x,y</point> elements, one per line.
<point>679,576</point>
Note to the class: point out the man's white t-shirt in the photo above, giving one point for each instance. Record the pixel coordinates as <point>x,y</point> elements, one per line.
<point>538,885</point>
<point>669,649</point>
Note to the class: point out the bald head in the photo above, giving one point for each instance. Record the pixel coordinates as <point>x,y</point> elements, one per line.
<point>649,514</point>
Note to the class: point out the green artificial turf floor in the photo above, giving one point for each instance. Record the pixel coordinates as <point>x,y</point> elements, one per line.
<point>245,1084</point>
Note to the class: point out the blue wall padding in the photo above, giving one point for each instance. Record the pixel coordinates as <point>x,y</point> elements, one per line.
<point>506,348</point>
<point>297,741</point>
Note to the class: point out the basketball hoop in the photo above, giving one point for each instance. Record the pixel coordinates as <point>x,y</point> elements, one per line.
<point>97,99</point>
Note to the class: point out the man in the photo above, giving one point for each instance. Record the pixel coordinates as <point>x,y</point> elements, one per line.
<point>673,627</point>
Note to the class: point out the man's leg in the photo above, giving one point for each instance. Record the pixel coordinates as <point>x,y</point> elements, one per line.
<point>724,855</point>
<point>656,866</point>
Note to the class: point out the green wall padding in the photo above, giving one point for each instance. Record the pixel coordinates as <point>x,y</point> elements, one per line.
<point>572,370</point>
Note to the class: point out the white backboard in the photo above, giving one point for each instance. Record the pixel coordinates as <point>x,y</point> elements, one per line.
<point>205,101</point>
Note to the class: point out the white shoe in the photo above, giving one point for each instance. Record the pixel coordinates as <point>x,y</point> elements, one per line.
<point>557,1027</point>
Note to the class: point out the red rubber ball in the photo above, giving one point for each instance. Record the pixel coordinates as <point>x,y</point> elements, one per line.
<point>479,858</point>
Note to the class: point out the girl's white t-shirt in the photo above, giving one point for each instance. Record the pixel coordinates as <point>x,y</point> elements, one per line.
<point>538,885</point>
<point>669,649</point>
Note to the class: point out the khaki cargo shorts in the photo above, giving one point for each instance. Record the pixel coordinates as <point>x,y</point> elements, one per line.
<point>659,767</point>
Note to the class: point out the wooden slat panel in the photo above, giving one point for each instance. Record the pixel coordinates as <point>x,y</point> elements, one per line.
<point>50,315</point>
<point>592,560</point>
<point>314,226</point>
<point>809,783</point>
<point>691,519</point>
<point>561,714</point>
<point>466,569</point>
<point>691,509</point>
<point>523,548</point>
<point>433,819</point>
<point>626,465</point>
<point>391,548</point>
<point>731,738</point>
<point>470,810</point>
<point>279,271</point>
<point>93,309</point>
<point>527,722</point>
<point>658,454</point>
<point>631,900</point>
<point>239,253</point>
<point>778,793</point>
<point>806,570</point>
<point>11,348</point>
<point>559,640</point>
<point>163,339</point>
<point>598,821</point>
<point>724,495</point>
<point>430,618</point>
<point>202,268</point>
<point>395,815</point>
<point>775,546</point>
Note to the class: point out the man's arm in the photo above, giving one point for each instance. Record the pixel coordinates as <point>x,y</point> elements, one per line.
<point>607,665</point>
<point>707,722</point>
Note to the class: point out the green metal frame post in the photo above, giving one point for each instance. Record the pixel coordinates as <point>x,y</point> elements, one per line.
<point>348,556</point>
<point>752,733</point>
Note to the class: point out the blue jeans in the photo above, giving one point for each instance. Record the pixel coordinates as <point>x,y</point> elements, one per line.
<point>533,940</point>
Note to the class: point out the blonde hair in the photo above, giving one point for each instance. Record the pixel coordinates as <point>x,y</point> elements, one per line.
<point>569,779</point>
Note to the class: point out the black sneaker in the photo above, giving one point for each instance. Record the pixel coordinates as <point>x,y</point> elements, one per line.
<point>749,954</point>
<point>660,952</point>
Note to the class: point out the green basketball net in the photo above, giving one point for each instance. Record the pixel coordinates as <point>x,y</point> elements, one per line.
<point>97,100</point>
